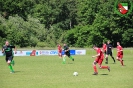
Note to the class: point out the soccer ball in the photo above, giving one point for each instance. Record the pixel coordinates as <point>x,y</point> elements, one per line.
<point>75,73</point>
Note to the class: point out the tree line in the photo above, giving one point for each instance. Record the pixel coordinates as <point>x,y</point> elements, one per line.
<point>79,23</point>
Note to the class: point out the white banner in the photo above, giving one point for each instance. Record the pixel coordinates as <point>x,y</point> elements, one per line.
<point>80,52</point>
<point>20,53</point>
<point>53,52</point>
<point>1,54</point>
<point>45,52</point>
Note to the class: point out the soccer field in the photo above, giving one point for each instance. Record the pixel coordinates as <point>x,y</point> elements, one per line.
<point>49,72</point>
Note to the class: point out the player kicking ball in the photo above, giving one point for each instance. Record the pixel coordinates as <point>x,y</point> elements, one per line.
<point>7,49</point>
<point>99,60</point>
<point>119,53</point>
<point>67,53</point>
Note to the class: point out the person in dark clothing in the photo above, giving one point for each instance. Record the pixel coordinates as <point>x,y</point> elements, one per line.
<point>7,50</point>
<point>109,52</point>
<point>67,53</point>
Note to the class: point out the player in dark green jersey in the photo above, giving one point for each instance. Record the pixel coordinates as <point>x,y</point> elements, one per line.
<point>67,53</point>
<point>7,50</point>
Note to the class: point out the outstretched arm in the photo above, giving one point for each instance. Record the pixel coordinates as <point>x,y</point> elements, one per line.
<point>3,50</point>
<point>67,50</point>
<point>96,55</point>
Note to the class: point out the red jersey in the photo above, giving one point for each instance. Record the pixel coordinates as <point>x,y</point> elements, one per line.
<point>101,53</point>
<point>104,47</point>
<point>59,48</point>
<point>119,48</point>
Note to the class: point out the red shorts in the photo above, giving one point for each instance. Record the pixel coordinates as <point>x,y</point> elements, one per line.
<point>59,51</point>
<point>99,60</point>
<point>120,55</point>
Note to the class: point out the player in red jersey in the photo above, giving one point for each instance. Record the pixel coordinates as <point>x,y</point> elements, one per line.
<point>119,53</point>
<point>59,51</point>
<point>99,60</point>
<point>104,47</point>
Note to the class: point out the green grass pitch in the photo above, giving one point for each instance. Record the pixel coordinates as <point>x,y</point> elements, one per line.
<point>49,72</point>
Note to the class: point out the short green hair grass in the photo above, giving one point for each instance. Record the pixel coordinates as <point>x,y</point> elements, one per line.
<point>49,72</point>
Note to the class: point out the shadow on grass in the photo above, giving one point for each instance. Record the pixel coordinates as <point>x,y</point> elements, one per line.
<point>17,71</point>
<point>113,63</point>
<point>70,63</point>
<point>104,74</point>
<point>123,65</point>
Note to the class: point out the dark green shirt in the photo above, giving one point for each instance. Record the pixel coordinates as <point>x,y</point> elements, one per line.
<point>66,47</point>
<point>8,50</point>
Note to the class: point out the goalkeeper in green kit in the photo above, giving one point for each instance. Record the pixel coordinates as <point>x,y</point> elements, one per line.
<point>7,50</point>
<point>67,53</point>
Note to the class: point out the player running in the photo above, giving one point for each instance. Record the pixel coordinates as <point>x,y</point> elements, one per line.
<point>59,51</point>
<point>99,60</point>
<point>104,47</point>
<point>7,49</point>
<point>67,53</point>
<point>119,53</point>
<point>109,52</point>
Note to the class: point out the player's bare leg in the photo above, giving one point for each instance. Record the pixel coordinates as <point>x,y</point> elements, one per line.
<point>106,59</point>
<point>120,59</point>
<point>95,68</point>
<point>104,67</point>
<point>60,55</point>
<point>113,58</point>
<point>64,59</point>
<point>13,62</point>
<point>70,57</point>
<point>10,67</point>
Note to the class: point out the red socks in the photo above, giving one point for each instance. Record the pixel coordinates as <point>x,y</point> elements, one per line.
<point>95,68</point>
<point>104,67</point>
